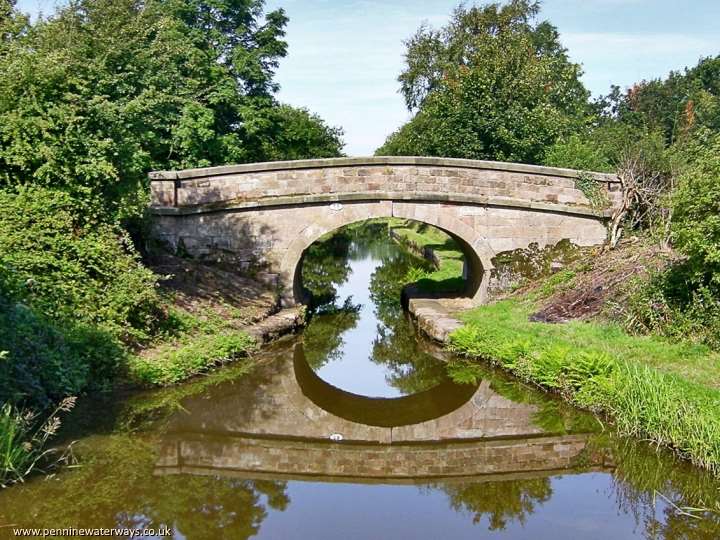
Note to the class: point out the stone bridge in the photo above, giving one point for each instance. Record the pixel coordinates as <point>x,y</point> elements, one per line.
<point>268,214</point>
<point>273,423</point>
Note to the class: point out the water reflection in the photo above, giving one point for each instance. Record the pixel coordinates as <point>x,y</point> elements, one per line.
<point>359,338</point>
<point>445,397</point>
<point>239,455</point>
<point>250,457</point>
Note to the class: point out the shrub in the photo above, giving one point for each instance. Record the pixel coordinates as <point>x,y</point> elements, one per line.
<point>74,271</point>
<point>47,362</point>
<point>696,211</point>
<point>580,153</point>
<point>670,305</point>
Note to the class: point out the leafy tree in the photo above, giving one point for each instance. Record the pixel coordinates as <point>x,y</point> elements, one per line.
<point>12,22</point>
<point>492,84</point>
<point>501,502</point>
<point>678,105</point>
<point>106,90</point>
<point>696,205</point>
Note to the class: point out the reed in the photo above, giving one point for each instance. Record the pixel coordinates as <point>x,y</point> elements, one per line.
<point>24,439</point>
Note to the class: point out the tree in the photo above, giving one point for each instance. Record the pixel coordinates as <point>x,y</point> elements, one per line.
<point>677,106</point>
<point>12,22</point>
<point>492,84</point>
<point>106,90</point>
<point>696,206</point>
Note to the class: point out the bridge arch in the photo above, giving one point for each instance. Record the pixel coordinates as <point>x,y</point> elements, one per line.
<point>477,251</point>
<point>265,215</point>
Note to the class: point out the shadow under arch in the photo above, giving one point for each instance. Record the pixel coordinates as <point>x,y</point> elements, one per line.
<point>475,248</point>
<point>430,404</point>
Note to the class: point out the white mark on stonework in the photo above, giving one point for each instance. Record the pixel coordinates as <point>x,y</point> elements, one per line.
<point>336,207</point>
<point>336,437</point>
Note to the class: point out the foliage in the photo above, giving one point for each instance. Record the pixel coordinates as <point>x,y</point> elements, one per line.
<point>676,106</point>
<point>668,303</point>
<point>71,294</point>
<point>197,354</point>
<point>116,488</point>
<point>447,276</point>
<point>683,300</point>
<point>651,388</point>
<point>23,440</point>
<point>591,189</point>
<point>492,84</point>
<point>579,152</point>
<point>73,271</point>
<point>294,133</point>
<point>46,361</point>
<point>104,91</point>
<point>696,215</point>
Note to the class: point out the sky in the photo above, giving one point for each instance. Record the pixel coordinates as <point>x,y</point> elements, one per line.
<point>345,55</point>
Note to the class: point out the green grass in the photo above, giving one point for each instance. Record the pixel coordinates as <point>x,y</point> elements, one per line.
<point>195,354</point>
<point>448,277</point>
<point>652,388</point>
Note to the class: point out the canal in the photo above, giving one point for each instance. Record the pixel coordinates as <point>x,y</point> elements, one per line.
<point>361,428</point>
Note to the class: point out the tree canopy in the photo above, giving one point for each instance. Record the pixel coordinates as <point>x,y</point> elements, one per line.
<point>492,84</point>
<point>94,97</point>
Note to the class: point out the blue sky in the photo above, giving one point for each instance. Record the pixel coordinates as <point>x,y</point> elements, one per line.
<point>345,55</point>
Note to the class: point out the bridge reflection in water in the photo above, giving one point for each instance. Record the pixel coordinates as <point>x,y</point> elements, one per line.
<point>278,424</point>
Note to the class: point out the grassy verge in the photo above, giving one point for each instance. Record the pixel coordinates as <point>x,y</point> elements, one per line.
<point>448,276</point>
<point>651,388</point>
<point>176,362</point>
<point>198,342</point>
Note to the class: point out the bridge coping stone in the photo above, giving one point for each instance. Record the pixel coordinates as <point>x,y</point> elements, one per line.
<point>377,161</point>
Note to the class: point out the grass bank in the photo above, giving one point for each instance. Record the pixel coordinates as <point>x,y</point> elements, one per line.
<point>193,354</point>
<point>447,256</point>
<point>649,387</point>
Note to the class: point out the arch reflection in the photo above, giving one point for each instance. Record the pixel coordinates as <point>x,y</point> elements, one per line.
<point>438,401</point>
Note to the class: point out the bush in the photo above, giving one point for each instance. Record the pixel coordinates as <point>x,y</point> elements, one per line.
<point>72,295</point>
<point>603,148</point>
<point>46,361</point>
<point>580,153</point>
<point>73,271</point>
<point>669,304</point>
<point>696,211</point>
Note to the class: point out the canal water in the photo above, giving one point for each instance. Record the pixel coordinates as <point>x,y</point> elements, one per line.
<point>359,428</point>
